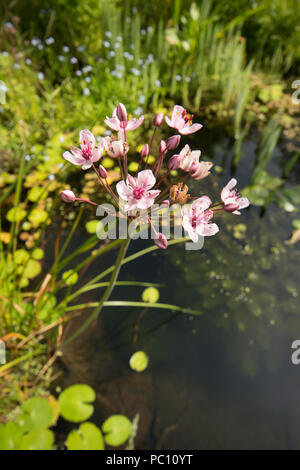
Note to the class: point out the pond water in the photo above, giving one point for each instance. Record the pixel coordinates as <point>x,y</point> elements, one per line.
<point>223,379</point>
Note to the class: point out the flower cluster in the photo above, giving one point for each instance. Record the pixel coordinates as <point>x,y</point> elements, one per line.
<point>152,185</point>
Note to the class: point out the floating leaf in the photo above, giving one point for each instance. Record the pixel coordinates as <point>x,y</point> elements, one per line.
<point>37,414</point>
<point>70,277</point>
<point>37,254</point>
<point>107,162</point>
<point>139,361</point>
<point>32,269</point>
<point>16,214</point>
<point>117,429</point>
<point>151,294</point>
<point>75,402</point>
<point>87,437</point>
<point>296,223</point>
<point>38,440</point>
<point>36,193</point>
<point>21,256</point>
<point>10,436</point>
<point>38,216</point>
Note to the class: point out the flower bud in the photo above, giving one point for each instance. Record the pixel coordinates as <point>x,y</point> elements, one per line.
<point>161,241</point>
<point>174,162</point>
<point>121,112</point>
<point>68,196</point>
<point>145,151</point>
<point>102,172</point>
<point>231,207</point>
<point>158,120</point>
<point>173,142</point>
<point>166,203</point>
<point>162,147</point>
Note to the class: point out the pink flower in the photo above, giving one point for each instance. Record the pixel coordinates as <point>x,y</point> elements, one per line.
<point>231,196</point>
<point>195,219</point>
<point>115,148</point>
<point>160,241</point>
<point>189,161</point>
<point>188,158</point>
<point>136,191</point>
<point>88,153</point>
<point>129,125</point>
<point>67,196</point>
<point>182,122</point>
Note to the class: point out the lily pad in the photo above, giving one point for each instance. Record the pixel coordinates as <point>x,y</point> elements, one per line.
<point>21,256</point>
<point>151,295</point>
<point>37,414</point>
<point>10,436</point>
<point>116,429</point>
<point>38,216</point>
<point>32,269</point>
<point>75,403</point>
<point>70,277</point>
<point>36,193</point>
<point>38,440</point>
<point>16,214</point>
<point>87,437</point>
<point>139,361</point>
<point>91,226</point>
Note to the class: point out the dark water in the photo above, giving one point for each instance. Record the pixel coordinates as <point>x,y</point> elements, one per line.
<point>223,379</point>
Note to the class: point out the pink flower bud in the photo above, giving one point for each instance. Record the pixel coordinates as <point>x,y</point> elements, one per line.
<point>173,142</point>
<point>158,120</point>
<point>102,172</point>
<point>174,162</point>
<point>68,196</point>
<point>162,147</point>
<point>231,207</point>
<point>161,241</point>
<point>166,203</point>
<point>121,112</point>
<point>145,151</point>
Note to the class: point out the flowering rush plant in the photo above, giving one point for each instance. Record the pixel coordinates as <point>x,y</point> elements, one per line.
<point>138,193</point>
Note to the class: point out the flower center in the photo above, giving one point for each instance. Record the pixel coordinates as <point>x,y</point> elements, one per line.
<point>138,193</point>
<point>86,151</point>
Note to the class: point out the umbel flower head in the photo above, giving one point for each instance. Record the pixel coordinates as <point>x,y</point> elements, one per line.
<point>156,184</point>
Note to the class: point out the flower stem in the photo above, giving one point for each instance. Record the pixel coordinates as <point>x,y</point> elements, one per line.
<point>107,293</point>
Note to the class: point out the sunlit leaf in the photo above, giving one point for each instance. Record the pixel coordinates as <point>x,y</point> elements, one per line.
<point>139,361</point>
<point>151,294</point>
<point>37,414</point>
<point>86,437</point>
<point>75,403</point>
<point>116,429</point>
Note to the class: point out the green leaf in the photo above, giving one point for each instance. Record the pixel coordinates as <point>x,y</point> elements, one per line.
<point>75,402</point>
<point>36,193</point>
<point>296,223</point>
<point>37,254</point>
<point>117,429</point>
<point>21,256</point>
<point>32,269</point>
<point>38,216</point>
<point>16,214</point>
<point>139,361</point>
<point>37,414</point>
<point>10,436</point>
<point>70,277</point>
<point>151,294</point>
<point>91,226</point>
<point>38,440</point>
<point>87,437</point>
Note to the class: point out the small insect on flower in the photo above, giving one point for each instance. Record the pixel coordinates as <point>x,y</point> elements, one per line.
<point>182,122</point>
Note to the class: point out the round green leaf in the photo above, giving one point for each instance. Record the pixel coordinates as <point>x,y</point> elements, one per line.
<point>38,216</point>
<point>10,436</point>
<point>37,254</point>
<point>70,277</point>
<point>16,214</point>
<point>139,361</point>
<point>21,256</point>
<point>36,193</point>
<point>87,437</point>
<point>38,440</point>
<point>107,162</point>
<point>91,226</point>
<point>117,429</point>
<point>32,269</point>
<point>151,295</point>
<point>37,415</point>
<point>75,402</point>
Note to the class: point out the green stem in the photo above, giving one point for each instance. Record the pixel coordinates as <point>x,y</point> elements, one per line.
<point>107,293</point>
